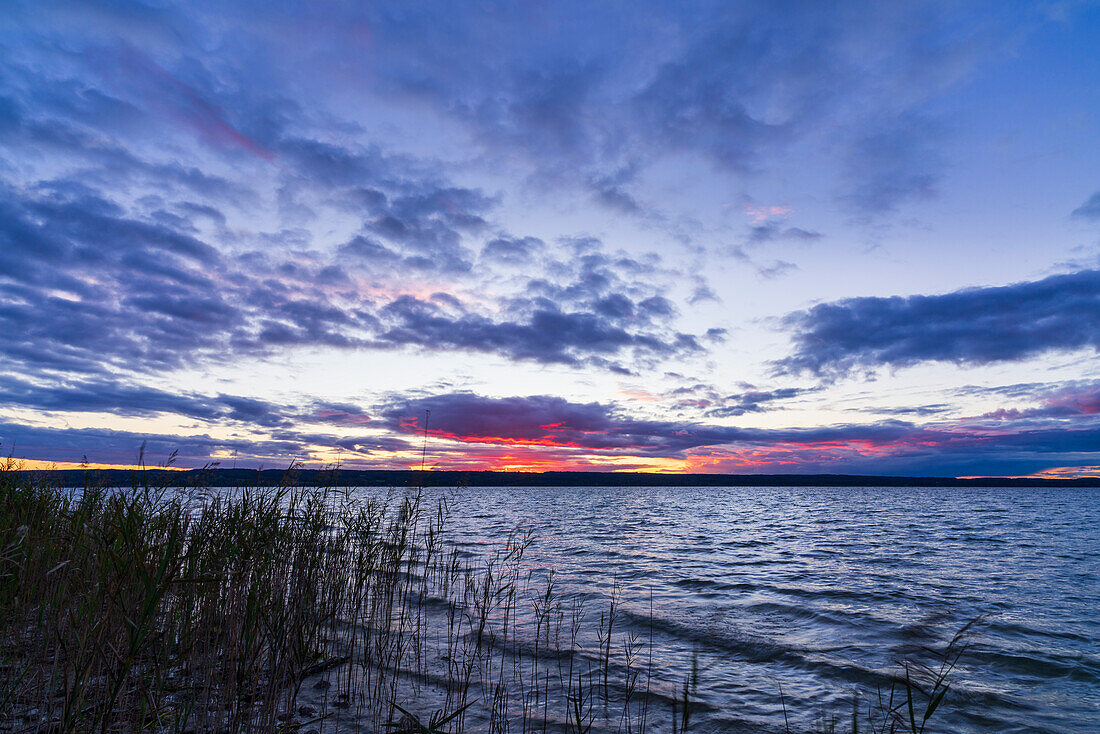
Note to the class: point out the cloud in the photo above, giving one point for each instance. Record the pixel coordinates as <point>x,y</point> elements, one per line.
<point>512,250</point>
<point>90,286</point>
<point>768,271</point>
<point>118,397</point>
<point>275,436</point>
<point>594,308</point>
<point>84,285</point>
<point>101,281</point>
<point>573,431</point>
<point>174,98</point>
<point>108,396</point>
<point>537,330</point>
<point>702,293</point>
<point>708,400</point>
<point>536,421</point>
<point>1074,400</point>
<point>777,269</point>
<point>752,401</point>
<point>339,414</point>
<point>711,97</point>
<point>468,430</point>
<point>911,410</point>
<point>594,93</point>
<point>968,327</point>
<point>542,420</point>
<point>773,231</point>
<point>1069,401</point>
<point>107,446</point>
<point>167,210</point>
<point>615,197</point>
<point>597,91</point>
<point>1090,209</point>
<point>892,163</point>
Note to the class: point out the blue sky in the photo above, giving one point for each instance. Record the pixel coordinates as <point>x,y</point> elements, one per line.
<point>745,237</point>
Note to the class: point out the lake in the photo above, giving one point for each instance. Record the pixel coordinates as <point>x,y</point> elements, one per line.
<point>819,592</point>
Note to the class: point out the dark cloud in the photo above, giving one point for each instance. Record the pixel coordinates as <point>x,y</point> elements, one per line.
<point>89,286</point>
<point>371,251</point>
<point>596,308</point>
<point>704,399</point>
<point>552,421</point>
<point>563,433</point>
<point>367,446</point>
<point>106,446</point>
<point>598,91</point>
<point>1074,400</point>
<point>340,414</point>
<point>615,197</point>
<point>421,219</point>
<point>112,164</point>
<point>281,442</point>
<point>887,447</point>
<point>752,401</point>
<point>913,410</point>
<point>717,334</point>
<point>203,210</point>
<point>612,191</point>
<point>536,421</point>
<point>703,293</point>
<point>117,397</point>
<point>408,204</point>
<point>97,289</point>
<point>777,269</point>
<point>536,330</point>
<point>84,285</point>
<point>773,231</point>
<point>512,250</point>
<point>768,271</point>
<point>106,396</point>
<point>430,227</point>
<point>710,98</point>
<point>158,282</point>
<point>974,326</point>
<point>1090,209</point>
<point>412,218</point>
<point>893,163</point>
<point>594,93</point>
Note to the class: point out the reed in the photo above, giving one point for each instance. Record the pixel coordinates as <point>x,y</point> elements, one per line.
<point>150,608</point>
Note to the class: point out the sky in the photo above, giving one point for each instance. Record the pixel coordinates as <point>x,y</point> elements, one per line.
<point>751,237</point>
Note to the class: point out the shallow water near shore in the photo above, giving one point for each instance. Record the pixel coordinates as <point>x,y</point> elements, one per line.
<point>821,591</point>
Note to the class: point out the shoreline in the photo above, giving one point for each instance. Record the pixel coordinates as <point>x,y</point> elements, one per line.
<point>412,478</point>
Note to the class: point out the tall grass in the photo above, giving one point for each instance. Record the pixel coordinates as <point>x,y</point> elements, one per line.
<point>289,608</point>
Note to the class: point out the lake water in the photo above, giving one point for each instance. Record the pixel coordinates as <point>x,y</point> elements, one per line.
<point>822,590</point>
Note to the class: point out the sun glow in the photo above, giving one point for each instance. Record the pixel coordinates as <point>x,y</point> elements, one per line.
<point>44,465</point>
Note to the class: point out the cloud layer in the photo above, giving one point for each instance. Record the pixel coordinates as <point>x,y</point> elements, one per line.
<point>573,195</point>
<point>892,446</point>
<point>968,327</point>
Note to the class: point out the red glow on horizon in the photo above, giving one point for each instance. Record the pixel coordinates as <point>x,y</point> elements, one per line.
<point>561,448</point>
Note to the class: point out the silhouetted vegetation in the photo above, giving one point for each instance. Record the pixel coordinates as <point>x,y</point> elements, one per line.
<point>287,608</point>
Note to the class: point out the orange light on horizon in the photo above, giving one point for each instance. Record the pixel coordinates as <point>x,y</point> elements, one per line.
<point>1055,472</point>
<point>44,465</point>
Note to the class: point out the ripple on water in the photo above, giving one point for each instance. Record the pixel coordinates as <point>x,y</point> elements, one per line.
<point>821,589</point>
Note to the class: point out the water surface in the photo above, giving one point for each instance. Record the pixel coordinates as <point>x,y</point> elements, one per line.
<point>821,590</point>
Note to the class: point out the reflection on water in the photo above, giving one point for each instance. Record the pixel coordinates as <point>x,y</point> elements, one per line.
<point>822,590</point>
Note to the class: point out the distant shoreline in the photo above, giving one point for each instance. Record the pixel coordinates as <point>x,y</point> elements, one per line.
<point>400,478</point>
